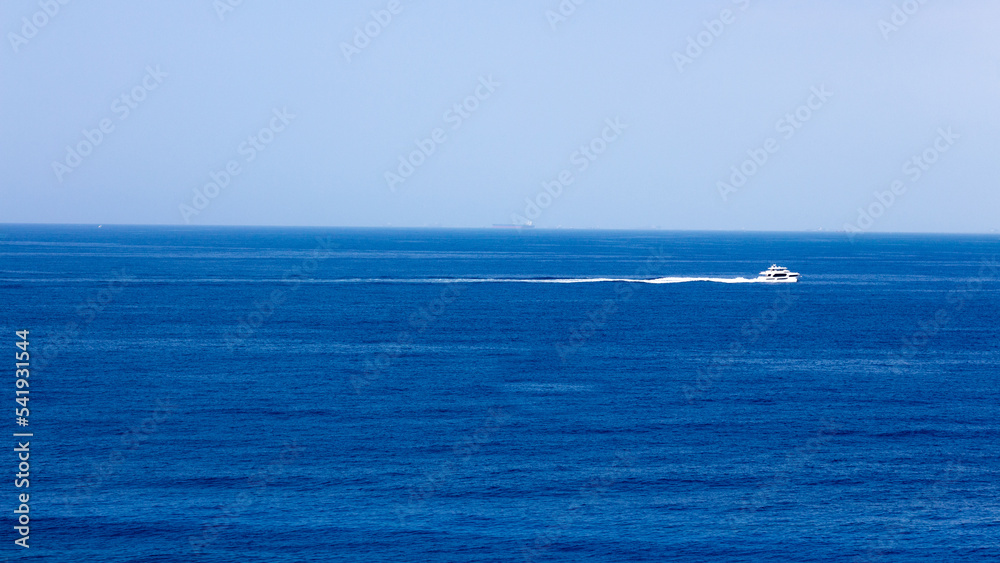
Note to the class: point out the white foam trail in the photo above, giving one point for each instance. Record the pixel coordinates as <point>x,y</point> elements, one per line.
<point>671,279</point>
<point>715,280</point>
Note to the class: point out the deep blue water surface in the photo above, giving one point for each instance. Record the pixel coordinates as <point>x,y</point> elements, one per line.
<point>223,394</point>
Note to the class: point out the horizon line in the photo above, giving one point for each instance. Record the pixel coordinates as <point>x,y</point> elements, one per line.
<point>502,228</point>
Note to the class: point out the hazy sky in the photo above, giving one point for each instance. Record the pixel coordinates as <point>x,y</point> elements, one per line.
<point>647,110</point>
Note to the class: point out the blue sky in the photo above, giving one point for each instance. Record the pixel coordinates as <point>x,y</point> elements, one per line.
<point>725,114</point>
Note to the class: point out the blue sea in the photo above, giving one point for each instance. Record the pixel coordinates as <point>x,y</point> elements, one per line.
<point>278,394</point>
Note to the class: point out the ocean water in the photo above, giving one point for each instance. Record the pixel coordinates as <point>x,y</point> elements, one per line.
<point>228,394</point>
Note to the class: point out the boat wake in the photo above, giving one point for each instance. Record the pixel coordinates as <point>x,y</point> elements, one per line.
<point>671,279</point>
<point>381,280</point>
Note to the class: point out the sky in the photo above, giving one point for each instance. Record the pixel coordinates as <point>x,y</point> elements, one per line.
<point>857,115</point>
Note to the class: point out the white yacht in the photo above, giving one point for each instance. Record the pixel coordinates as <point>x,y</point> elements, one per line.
<point>777,274</point>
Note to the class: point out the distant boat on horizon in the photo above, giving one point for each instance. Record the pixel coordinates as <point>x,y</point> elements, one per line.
<point>528,225</point>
